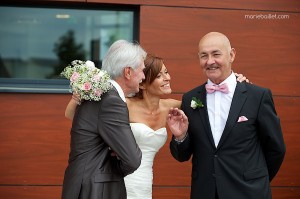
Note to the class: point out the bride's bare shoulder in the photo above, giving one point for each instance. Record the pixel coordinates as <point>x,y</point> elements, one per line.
<point>131,101</point>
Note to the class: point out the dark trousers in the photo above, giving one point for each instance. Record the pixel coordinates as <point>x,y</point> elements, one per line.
<point>216,196</point>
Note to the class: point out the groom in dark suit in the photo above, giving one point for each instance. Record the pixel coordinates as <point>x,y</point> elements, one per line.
<point>103,148</point>
<point>230,129</point>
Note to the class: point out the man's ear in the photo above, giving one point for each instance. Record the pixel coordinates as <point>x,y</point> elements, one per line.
<point>232,55</point>
<point>127,72</point>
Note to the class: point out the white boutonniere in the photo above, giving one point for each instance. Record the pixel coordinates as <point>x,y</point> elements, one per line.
<point>196,103</point>
<point>87,80</point>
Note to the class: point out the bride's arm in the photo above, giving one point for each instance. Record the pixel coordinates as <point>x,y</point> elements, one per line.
<point>173,103</point>
<point>71,107</point>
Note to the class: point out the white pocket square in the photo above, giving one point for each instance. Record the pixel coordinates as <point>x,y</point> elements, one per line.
<point>242,119</point>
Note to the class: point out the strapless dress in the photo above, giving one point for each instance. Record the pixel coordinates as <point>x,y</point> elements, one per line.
<point>139,183</point>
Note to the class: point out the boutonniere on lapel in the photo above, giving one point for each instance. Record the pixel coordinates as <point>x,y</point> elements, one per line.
<point>196,103</point>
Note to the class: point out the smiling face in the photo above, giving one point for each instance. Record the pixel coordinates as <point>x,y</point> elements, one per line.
<point>216,56</point>
<point>157,78</point>
<point>161,84</point>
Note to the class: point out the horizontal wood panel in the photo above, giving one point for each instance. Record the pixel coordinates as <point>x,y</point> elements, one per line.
<point>265,48</point>
<point>34,139</point>
<point>286,192</point>
<point>288,110</point>
<point>45,2</point>
<point>277,5</point>
<point>30,192</point>
<point>267,5</point>
<point>171,192</point>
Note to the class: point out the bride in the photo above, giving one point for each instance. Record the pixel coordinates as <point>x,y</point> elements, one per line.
<point>147,114</point>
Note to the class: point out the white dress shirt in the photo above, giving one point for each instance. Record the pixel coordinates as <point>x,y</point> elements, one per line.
<point>119,89</point>
<point>218,106</point>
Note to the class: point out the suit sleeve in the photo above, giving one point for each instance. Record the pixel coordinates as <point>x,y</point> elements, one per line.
<point>114,128</point>
<point>181,151</point>
<point>270,134</point>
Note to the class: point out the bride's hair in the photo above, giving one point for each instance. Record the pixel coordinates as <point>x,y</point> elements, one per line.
<point>153,66</point>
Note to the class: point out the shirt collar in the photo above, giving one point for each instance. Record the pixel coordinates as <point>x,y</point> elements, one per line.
<point>119,89</point>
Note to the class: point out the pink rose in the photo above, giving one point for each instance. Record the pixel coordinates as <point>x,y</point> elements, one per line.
<point>74,76</point>
<point>97,77</point>
<point>98,92</point>
<point>87,86</point>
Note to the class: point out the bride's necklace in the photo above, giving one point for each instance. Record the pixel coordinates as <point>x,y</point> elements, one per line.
<point>153,112</point>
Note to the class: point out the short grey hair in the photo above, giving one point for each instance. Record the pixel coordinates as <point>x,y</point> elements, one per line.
<point>123,54</point>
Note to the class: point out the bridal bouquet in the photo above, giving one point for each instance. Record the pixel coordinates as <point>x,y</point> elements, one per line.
<point>87,80</point>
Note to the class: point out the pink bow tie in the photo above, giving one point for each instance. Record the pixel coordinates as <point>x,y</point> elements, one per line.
<point>212,88</point>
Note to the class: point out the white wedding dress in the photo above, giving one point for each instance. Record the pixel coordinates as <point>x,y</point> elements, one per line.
<point>139,183</point>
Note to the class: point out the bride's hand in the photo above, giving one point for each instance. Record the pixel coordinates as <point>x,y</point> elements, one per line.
<point>112,153</point>
<point>76,98</point>
<point>241,78</point>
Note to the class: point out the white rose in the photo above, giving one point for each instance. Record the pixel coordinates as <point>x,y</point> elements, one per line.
<point>90,64</point>
<point>101,73</point>
<point>193,104</point>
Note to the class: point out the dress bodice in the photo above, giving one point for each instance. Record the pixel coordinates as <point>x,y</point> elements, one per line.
<point>139,183</point>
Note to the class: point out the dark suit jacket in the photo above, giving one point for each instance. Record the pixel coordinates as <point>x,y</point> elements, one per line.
<point>92,172</point>
<point>249,153</point>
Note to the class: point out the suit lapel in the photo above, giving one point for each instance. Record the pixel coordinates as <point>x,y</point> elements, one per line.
<point>204,114</point>
<point>237,103</point>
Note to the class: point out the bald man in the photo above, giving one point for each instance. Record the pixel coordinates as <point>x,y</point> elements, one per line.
<point>234,138</point>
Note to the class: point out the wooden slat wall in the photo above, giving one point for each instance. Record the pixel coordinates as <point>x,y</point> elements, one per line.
<point>271,5</point>
<point>34,135</point>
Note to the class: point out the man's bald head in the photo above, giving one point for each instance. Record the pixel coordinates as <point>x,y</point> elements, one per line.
<point>216,37</point>
<point>216,56</point>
